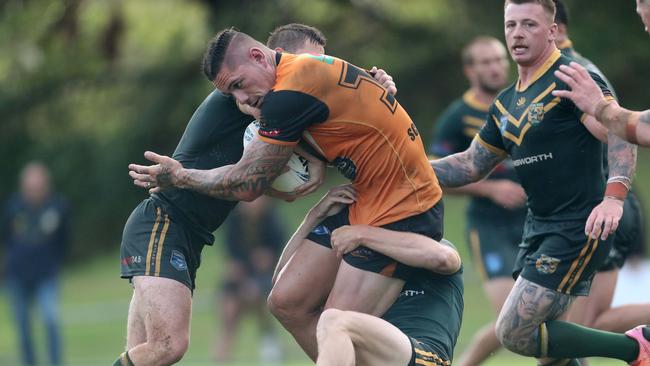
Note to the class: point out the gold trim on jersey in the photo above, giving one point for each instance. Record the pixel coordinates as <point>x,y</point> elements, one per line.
<point>543,340</point>
<point>555,55</point>
<point>508,135</point>
<point>577,266</point>
<point>517,122</point>
<point>161,242</point>
<point>475,244</point>
<point>437,359</point>
<point>469,97</point>
<point>582,267</point>
<point>152,238</point>
<point>470,131</point>
<point>492,148</point>
<point>565,44</point>
<point>474,121</point>
<point>518,140</point>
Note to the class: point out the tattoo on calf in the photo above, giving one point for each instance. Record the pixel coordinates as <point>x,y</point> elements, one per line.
<point>528,306</point>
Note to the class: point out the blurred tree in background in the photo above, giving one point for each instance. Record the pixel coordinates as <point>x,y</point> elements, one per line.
<point>88,85</point>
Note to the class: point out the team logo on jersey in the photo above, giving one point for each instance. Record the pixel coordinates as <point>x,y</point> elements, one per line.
<point>269,133</point>
<point>521,101</point>
<point>346,167</point>
<point>503,123</point>
<point>536,113</point>
<point>546,264</point>
<point>321,230</point>
<point>178,261</point>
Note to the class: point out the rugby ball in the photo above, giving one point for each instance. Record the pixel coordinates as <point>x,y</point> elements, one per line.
<point>298,167</point>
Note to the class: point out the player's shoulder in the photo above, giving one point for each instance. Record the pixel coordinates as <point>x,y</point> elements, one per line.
<point>218,100</point>
<point>292,67</point>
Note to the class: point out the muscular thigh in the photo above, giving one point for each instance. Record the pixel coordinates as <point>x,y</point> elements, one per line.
<point>363,291</point>
<point>308,277</point>
<point>163,305</point>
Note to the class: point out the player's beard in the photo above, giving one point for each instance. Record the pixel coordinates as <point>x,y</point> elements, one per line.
<point>489,89</point>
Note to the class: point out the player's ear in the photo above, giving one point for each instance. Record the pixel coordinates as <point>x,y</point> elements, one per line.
<point>467,70</point>
<point>257,55</point>
<point>552,32</point>
<point>279,49</point>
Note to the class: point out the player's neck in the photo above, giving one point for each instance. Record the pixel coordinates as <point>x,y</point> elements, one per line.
<point>528,73</point>
<point>483,96</point>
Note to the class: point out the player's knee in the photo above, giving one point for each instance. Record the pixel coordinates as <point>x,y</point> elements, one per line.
<point>172,349</point>
<point>331,322</point>
<point>284,307</point>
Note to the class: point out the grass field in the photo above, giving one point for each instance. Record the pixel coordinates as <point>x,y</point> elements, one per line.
<point>95,302</point>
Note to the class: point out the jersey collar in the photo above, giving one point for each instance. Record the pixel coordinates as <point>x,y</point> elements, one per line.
<point>541,71</point>
<point>565,44</point>
<point>469,97</point>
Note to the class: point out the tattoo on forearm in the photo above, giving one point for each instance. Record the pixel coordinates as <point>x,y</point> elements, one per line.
<point>528,306</point>
<point>466,167</point>
<point>621,156</point>
<point>251,176</point>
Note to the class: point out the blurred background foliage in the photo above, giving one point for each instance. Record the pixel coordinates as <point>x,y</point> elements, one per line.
<point>88,85</point>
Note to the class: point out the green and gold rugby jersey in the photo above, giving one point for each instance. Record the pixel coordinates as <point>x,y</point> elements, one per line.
<point>558,162</point>
<point>454,132</point>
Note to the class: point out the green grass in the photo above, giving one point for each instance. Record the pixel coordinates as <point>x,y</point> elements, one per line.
<point>95,302</point>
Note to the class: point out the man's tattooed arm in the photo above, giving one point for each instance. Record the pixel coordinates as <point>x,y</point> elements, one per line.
<point>630,125</point>
<point>244,181</point>
<point>621,157</point>
<point>466,167</point>
<point>643,129</point>
<point>528,306</point>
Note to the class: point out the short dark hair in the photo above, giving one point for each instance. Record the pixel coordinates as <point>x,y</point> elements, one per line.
<point>466,55</point>
<point>561,13</point>
<point>292,36</point>
<point>216,52</point>
<point>548,5</point>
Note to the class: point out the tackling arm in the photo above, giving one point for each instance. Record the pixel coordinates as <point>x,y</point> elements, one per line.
<point>245,181</point>
<point>409,248</point>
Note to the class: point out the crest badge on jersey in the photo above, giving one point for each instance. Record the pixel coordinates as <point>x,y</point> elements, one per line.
<point>536,113</point>
<point>546,264</point>
<point>503,123</point>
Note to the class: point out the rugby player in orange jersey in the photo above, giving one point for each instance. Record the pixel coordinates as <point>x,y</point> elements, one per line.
<point>351,121</point>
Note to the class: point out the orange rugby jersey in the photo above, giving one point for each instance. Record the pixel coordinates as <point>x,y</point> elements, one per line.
<point>357,126</point>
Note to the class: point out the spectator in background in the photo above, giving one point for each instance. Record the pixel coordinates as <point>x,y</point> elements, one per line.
<point>34,232</point>
<point>254,239</point>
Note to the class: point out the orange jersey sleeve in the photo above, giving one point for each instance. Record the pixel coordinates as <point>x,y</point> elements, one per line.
<point>355,124</point>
